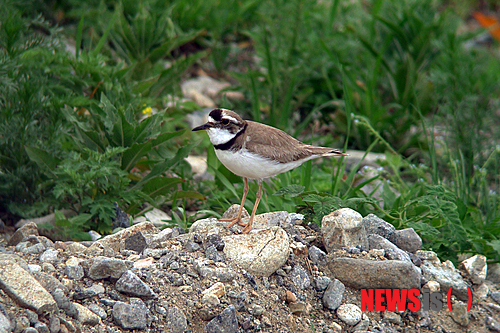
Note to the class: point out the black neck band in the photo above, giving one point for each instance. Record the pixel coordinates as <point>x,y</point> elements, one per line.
<point>227,145</point>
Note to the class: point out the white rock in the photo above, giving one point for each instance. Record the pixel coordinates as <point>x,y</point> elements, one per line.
<point>476,268</point>
<point>349,314</point>
<point>343,228</point>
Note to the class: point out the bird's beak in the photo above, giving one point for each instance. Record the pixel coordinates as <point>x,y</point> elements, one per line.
<point>202,127</point>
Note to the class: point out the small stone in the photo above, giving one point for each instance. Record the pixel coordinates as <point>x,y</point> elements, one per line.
<point>212,254</point>
<point>447,277</point>
<point>299,277</point>
<point>391,251</point>
<point>54,324</point>
<point>191,246</point>
<point>215,240</point>
<point>332,298</point>
<point>493,273</point>
<point>176,231</point>
<point>130,284</point>
<point>290,297</point>
<point>481,291</point>
<point>363,324</point>
<point>460,314</point>
<point>349,314</point>
<point>255,310</point>
<point>376,252</point>
<point>336,327</point>
<point>94,235</point>
<point>232,212</point>
<point>136,242</point>
<point>104,267</point>
<point>131,316</point>
<point>428,255</point>
<point>406,239</point>
<point>73,269</point>
<point>35,268</point>
<point>496,296</point>
<point>218,289</point>
<point>317,256</point>
<point>41,327</point>
<point>98,311</point>
<point>85,316</point>
<point>75,247</point>
<point>433,286</point>
<point>30,330</point>
<point>475,268</point>
<point>297,307</point>
<point>375,225</point>
<point>210,299</point>
<point>225,322</point>
<point>176,320</point>
<point>343,228</point>
<point>5,323</point>
<point>392,317</point>
<point>22,233</point>
<point>321,283</point>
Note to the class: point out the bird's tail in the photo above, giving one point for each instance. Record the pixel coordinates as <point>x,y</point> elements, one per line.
<point>326,152</point>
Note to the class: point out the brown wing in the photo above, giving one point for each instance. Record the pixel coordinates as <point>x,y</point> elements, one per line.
<point>276,144</point>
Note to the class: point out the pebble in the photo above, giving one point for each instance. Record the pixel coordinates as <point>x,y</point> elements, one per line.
<point>406,239</point>
<point>392,317</point>
<point>332,298</point>
<point>176,320</point>
<point>492,324</point>
<point>297,307</point>
<point>475,268</point>
<point>225,322</point>
<point>317,256</point>
<point>375,225</point>
<point>191,246</point>
<point>320,283</point>
<point>131,315</point>
<point>300,277</point>
<point>131,284</point>
<point>104,267</point>
<point>460,314</point>
<point>349,314</point>
<point>343,228</point>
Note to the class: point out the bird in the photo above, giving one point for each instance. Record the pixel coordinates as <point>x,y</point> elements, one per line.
<point>253,150</point>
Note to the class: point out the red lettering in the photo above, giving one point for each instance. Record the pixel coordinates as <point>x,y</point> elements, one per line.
<point>366,299</point>
<point>379,298</point>
<point>413,301</point>
<point>397,297</point>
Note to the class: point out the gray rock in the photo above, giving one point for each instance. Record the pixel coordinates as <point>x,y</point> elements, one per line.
<point>332,298</point>
<point>85,316</point>
<point>54,324</point>
<point>131,316</point>
<point>224,274</point>
<point>475,268</point>
<point>321,283</point>
<point>364,273</point>
<point>98,310</point>
<point>208,226</point>
<point>136,242</point>
<point>104,267</point>
<point>21,323</point>
<point>30,248</point>
<point>446,278</point>
<point>392,317</point>
<point>41,328</point>
<point>130,284</point>
<point>299,277</point>
<point>362,325</point>
<point>212,254</point>
<point>225,322</point>
<point>49,282</point>
<point>24,288</point>
<point>215,240</point>
<point>391,251</point>
<point>176,320</point>
<point>460,314</point>
<point>232,212</point>
<point>492,324</point>
<point>191,246</point>
<point>30,330</point>
<point>176,231</point>
<point>22,233</point>
<point>90,292</point>
<point>343,228</point>
<point>375,225</point>
<point>349,314</point>
<point>260,252</point>
<point>317,256</point>
<point>159,240</point>
<point>406,239</point>
<point>73,269</point>
<point>94,235</point>
<point>64,303</point>
<point>493,273</point>
<point>5,324</point>
<point>255,310</point>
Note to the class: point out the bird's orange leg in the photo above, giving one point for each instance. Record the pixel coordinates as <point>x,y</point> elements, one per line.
<point>237,219</point>
<point>248,226</point>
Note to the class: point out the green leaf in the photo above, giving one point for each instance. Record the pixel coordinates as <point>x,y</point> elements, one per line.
<point>105,35</point>
<point>188,195</point>
<point>78,39</point>
<point>134,154</point>
<point>291,190</point>
<point>160,185</point>
<point>43,159</point>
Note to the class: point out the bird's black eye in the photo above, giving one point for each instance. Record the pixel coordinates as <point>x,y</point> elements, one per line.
<point>225,122</point>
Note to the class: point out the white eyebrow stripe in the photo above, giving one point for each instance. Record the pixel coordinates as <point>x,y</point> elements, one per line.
<point>210,119</point>
<point>234,120</point>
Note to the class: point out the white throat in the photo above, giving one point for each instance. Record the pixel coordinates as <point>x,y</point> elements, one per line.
<point>219,136</point>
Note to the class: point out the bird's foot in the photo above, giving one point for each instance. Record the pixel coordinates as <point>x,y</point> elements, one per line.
<point>247,228</point>
<point>233,221</point>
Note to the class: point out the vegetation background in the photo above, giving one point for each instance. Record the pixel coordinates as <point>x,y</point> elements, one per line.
<point>91,110</point>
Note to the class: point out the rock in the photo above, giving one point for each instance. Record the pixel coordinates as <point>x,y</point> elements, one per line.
<point>75,247</point>
<point>391,251</point>
<point>49,282</point>
<point>297,308</point>
<point>317,256</point>
<point>22,234</point>
<point>176,320</point>
<point>363,324</point>
<point>369,274</point>
<point>64,303</point>
<point>392,317</point>
<point>212,254</point>
<point>224,274</point>
<point>130,284</point>
<point>428,255</point>
<point>321,283</point>
<point>406,239</point>
<point>208,226</point>
<point>446,278</point>
<point>290,297</point>
<point>217,289</point>
<point>156,216</point>
<point>460,314</point>
<point>136,242</point>
<point>349,314</point>
<point>433,286</point>
<point>85,316</point>
<point>5,324</point>
<point>94,235</point>
<point>255,310</point>
<point>260,252</point>
<point>121,219</point>
<point>336,328</point>
<point>131,316</point>
<point>116,242</point>
<point>232,212</point>
<point>492,324</point>
<point>481,291</point>
<point>104,267</point>
<point>299,277</point>
<point>160,239</point>
<point>343,228</point>
<point>496,296</point>
<point>493,273</point>
<point>90,292</point>
<point>475,268</point>
<point>73,269</point>
<point>24,288</point>
<point>225,322</point>
<point>54,324</point>
<point>191,246</point>
<point>41,327</point>
<point>375,225</point>
<point>215,240</point>
<point>332,298</point>
<point>268,220</point>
